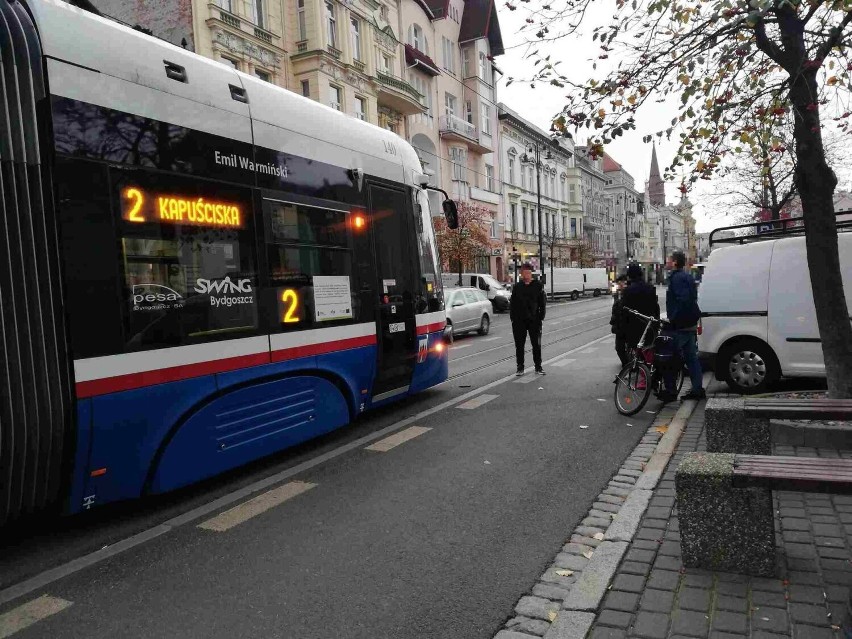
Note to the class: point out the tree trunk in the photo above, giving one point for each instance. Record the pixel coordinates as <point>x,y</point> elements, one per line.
<point>816,182</point>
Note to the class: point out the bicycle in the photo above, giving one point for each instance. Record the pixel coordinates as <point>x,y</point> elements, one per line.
<point>644,373</point>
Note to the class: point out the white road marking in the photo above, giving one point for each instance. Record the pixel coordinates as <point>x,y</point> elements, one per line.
<point>29,613</point>
<point>458,348</point>
<point>588,351</point>
<point>476,402</point>
<point>253,507</point>
<point>384,445</point>
<point>563,362</point>
<point>526,379</point>
<point>491,339</point>
<point>53,575</point>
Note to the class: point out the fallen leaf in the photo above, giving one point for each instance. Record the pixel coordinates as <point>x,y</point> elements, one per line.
<point>588,554</point>
<point>601,400</point>
<point>764,618</point>
<point>598,536</point>
<point>564,573</point>
<point>541,388</point>
<point>487,462</point>
<point>662,429</point>
<point>584,425</point>
<point>833,627</point>
<point>552,616</point>
<point>630,424</point>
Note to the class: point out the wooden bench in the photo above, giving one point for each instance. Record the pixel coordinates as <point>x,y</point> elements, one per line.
<point>750,426</point>
<point>725,505</point>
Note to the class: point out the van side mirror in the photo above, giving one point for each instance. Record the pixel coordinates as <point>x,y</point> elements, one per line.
<point>451,213</point>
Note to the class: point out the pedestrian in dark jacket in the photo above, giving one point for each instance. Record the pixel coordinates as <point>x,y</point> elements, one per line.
<point>526,310</point>
<point>683,314</point>
<point>616,320</point>
<point>642,298</point>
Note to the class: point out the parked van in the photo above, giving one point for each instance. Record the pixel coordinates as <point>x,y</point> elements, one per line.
<point>496,293</point>
<point>758,315</point>
<point>578,281</point>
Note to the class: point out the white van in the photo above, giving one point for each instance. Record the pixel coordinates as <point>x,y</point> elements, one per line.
<point>595,281</point>
<point>759,321</point>
<point>494,290</point>
<point>578,281</point>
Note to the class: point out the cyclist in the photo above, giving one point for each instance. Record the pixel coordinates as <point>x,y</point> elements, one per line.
<point>642,298</point>
<point>617,321</point>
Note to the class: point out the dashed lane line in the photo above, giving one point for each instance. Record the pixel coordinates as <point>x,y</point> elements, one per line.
<point>476,402</point>
<point>75,565</point>
<point>458,348</point>
<point>29,613</point>
<point>526,379</point>
<point>253,507</point>
<point>386,444</point>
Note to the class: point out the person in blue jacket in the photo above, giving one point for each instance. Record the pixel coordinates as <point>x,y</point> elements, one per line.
<point>683,314</point>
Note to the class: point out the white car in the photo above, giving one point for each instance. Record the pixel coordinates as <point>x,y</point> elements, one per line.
<point>468,309</point>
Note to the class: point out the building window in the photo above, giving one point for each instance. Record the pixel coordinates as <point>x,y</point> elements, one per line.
<point>468,112</point>
<point>533,184</point>
<point>231,63</point>
<point>384,64</point>
<point>332,24</point>
<point>513,213</point>
<point>336,98</point>
<point>224,4</point>
<point>489,177</point>
<point>457,155</point>
<point>524,220</point>
<point>493,226</point>
<point>466,62</point>
<point>484,69</point>
<point>306,88</point>
<point>523,178</point>
<point>450,104</point>
<point>356,38</point>
<point>263,75</point>
<point>259,16</point>
<point>424,89</point>
<point>564,226</point>
<point>303,26</point>
<point>449,55</point>
<point>485,118</point>
<point>573,228</point>
<point>418,39</point>
<point>360,108</point>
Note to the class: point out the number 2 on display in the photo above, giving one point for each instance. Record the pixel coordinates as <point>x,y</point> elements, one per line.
<point>290,297</point>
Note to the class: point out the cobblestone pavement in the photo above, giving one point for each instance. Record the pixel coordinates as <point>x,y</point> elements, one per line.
<point>653,597</point>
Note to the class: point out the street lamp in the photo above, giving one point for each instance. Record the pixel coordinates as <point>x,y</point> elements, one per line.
<point>535,148</point>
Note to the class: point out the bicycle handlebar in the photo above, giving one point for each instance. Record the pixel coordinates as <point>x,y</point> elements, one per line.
<point>647,318</point>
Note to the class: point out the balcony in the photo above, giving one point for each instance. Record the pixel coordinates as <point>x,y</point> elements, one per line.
<point>398,95</point>
<point>458,130</point>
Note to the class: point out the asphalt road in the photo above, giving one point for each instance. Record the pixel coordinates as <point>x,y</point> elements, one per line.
<point>434,531</point>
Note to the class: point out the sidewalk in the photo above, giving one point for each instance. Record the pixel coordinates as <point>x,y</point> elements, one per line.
<point>625,578</point>
<point>653,596</point>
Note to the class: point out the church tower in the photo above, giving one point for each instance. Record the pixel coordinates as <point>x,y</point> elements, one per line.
<point>656,186</point>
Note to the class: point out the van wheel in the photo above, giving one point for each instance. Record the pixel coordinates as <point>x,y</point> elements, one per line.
<point>574,295</point>
<point>749,366</point>
<point>484,325</point>
<point>597,292</point>
<point>449,336</point>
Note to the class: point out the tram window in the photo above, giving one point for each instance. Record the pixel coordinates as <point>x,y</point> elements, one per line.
<point>306,242</point>
<point>185,281</point>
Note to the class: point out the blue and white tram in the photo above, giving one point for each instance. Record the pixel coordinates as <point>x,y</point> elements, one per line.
<point>198,268</point>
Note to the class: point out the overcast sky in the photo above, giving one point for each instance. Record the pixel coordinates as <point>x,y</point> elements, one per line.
<point>539,105</point>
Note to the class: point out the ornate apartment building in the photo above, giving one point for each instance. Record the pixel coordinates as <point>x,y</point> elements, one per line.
<point>627,211</point>
<point>598,226</point>
<point>561,208</point>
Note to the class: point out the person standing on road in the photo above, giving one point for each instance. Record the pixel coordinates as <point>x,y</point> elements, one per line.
<point>617,321</point>
<point>642,298</point>
<point>684,315</point>
<point>526,310</point>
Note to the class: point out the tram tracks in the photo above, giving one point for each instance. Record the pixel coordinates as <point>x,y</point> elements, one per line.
<point>511,356</point>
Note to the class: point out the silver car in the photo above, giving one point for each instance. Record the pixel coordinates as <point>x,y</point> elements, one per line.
<point>468,309</point>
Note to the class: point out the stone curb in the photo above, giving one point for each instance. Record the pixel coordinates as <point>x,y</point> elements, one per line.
<point>595,550</point>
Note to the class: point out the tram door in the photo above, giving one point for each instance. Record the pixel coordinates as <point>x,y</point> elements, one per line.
<point>396,325</point>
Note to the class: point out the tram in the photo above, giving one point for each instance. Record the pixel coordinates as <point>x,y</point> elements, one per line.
<point>197,268</point>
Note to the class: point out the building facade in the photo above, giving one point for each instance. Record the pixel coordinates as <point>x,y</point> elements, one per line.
<point>598,226</point>
<point>625,203</point>
<point>556,181</point>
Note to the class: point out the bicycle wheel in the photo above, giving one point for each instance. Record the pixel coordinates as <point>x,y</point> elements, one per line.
<point>681,375</point>
<point>632,388</point>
